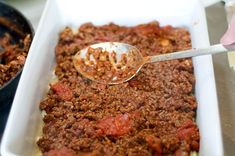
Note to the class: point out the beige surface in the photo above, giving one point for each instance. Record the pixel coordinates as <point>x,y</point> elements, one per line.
<point>225,78</point>
<point>32,9</point>
<point>231,59</point>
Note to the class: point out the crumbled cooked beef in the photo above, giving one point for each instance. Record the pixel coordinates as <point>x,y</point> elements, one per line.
<point>12,56</point>
<point>105,67</point>
<point>152,114</point>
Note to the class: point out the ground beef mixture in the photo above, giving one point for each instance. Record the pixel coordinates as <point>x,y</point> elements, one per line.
<point>152,114</point>
<point>12,57</point>
<point>105,67</point>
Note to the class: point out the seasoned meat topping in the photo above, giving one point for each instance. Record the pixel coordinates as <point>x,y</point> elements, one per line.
<point>152,114</point>
<point>12,56</point>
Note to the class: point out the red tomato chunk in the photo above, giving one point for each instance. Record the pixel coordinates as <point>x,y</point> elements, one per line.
<point>62,90</point>
<point>155,144</point>
<point>61,152</point>
<point>116,126</point>
<point>189,132</point>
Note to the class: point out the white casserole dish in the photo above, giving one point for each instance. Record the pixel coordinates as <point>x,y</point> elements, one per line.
<point>25,117</point>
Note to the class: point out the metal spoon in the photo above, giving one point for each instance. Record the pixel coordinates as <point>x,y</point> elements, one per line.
<point>135,59</point>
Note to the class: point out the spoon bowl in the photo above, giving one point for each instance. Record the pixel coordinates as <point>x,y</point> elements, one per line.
<point>122,59</point>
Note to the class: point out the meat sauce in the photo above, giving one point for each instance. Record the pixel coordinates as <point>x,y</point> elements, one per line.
<point>104,67</point>
<point>12,56</point>
<point>152,114</point>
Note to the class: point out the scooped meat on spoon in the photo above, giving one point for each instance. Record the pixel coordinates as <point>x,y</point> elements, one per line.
<point>114,62</point>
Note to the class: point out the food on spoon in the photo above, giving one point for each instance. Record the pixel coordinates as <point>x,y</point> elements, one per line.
<point>103,66</point>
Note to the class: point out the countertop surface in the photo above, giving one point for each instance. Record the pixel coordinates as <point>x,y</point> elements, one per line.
<point>224,75</point>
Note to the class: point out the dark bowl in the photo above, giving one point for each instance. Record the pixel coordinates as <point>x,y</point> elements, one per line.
<point>15,18</point>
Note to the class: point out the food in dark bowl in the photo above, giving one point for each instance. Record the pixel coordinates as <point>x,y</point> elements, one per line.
<point>16,34</point>
<point>12,57</point>
<point>152,114</point>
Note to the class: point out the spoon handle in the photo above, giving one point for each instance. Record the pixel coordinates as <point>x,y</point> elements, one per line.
<point>218,48</point>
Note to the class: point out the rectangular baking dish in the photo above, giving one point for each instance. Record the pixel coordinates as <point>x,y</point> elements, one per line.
<point>25,121</point>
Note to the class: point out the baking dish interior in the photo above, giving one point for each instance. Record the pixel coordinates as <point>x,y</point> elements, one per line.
<point>25,121</point>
